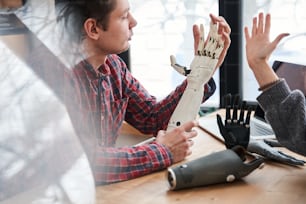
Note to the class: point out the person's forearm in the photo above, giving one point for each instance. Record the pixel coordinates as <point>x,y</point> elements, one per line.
<point>285,110</point>
<point>264,75</point>
<point>112,165</point>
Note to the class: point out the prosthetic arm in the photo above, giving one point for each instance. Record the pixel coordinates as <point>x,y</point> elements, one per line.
<point>201,70</point>
<point>236,131</point>
<point>220,167</point>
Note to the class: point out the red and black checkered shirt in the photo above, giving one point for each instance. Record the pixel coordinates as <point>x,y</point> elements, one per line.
<point>101,100</point>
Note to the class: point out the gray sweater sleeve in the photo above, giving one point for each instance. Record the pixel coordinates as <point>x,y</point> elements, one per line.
<point>286,112</point>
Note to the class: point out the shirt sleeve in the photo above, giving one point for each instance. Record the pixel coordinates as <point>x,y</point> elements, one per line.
<point>285,111</point>
<point>119,164</point>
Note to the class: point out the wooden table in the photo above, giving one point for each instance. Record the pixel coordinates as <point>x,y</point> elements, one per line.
<point>274,183</point>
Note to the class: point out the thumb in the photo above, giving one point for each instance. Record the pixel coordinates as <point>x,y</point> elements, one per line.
<point>221,126</point>
<point>196,37</point>
<point>272,142</point>
<point>279,38</point>
<point>219,122</point>
<point>189,125</point>
<point>274,43</point>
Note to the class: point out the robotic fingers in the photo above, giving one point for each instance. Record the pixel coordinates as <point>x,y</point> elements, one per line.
<point>264,148</point>
<point>236,131</point>
<point>204,63</point>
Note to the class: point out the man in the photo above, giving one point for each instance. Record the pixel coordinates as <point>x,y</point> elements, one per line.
<point>104,94</point>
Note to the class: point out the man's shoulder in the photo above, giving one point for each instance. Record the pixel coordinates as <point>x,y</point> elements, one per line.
<point>115,62</point>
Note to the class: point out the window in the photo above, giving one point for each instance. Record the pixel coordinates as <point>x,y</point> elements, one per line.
<point>165,28</point>
<point>288,16</point>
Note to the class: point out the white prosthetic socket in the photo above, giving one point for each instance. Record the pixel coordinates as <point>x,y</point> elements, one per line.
<point>202,68</point>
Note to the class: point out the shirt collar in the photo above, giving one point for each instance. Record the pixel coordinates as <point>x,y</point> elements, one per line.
<point>103,69</point>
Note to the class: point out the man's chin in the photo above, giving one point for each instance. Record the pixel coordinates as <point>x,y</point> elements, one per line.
<point>123,50</point>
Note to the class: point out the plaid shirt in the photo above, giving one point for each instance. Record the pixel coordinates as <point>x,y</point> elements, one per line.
<point>98,102</point>
<point>105,99</point>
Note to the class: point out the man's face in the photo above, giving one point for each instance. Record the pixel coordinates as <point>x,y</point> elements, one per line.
<point>119,31</point>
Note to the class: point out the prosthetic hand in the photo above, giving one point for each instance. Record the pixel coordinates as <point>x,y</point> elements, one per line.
<point>201,70</point>
<point>265,149</point>
<point>220,167</point>
<point>237,132</point>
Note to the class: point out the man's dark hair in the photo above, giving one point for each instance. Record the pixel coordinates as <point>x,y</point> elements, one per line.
<point>72,15</point>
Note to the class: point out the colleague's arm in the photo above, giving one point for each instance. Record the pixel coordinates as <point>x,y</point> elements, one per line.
<point>285,109</point>
<point>259,49</point>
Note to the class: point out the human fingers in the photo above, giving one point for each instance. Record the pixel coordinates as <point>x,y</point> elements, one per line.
<point>179,152</point>
<point>246,34</point>
<point>254,26</point>
<point>184,133</point>
<point>180,146</point>
<point>223,25</point>
<point>191,134</point>
<point>177,135</point>
<point>226,45</point>
<point>226,39</point>
<point>213,18</point>
<point>185,147</point>
<point>196,37</point>
<point>278,39</point>
<point>185,144</point>
<point>260,28</point>
<point>187,127</point>
<point>271,47</point>
<point>161,132</point>
<point>268,24</point>
<point>188,152</point>
<point>190,143</point>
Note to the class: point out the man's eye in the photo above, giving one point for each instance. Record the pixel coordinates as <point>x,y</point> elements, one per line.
<point>125,15</point>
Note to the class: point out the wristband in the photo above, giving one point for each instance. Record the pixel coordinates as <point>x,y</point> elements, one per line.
<point>266,86</point>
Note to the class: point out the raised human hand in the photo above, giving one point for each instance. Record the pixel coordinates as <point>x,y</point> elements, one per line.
<point>258,44</point>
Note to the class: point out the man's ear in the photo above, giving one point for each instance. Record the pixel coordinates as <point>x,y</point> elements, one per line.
<point>91,28</point>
